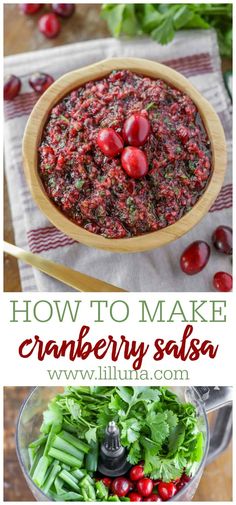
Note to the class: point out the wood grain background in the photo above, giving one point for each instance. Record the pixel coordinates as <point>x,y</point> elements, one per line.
<point>215,485</point>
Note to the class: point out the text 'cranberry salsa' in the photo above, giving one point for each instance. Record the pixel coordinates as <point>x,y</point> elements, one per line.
<point>94,190</point>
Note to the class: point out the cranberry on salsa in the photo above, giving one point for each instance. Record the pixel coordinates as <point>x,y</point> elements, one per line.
<point>95,183</point>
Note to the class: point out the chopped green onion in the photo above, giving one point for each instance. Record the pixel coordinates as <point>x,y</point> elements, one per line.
<point>51,477</point>
<point>64,457</point>
<point>78,474</point>
<point>63,445</point>
<point>31,453</point>
<point>39,475</point>
<point>58,483</point>
<point>79,444</point>
<point>38,442</point>
<point>70,496</point>
<point>69,479</point>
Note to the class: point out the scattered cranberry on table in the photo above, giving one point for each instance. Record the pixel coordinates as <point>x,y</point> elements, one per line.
<point>166,490</point>
<point>195,257</point>
<point>30,9</point>
<point>135,497</point>
<point>145,486</point>
<point>136,130</point>
<point>222,281</point>
<point>110,142</point>
<point>12,87</point>
<point>136,472</point>
<point>120,486</point>
<point>223,240</point>
<point>40,81</point>
<point>134,162</point>
<point>49,25</point>
<point>63,10</point>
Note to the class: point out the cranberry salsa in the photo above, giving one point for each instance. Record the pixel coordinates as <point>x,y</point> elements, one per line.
<point>125,155</point>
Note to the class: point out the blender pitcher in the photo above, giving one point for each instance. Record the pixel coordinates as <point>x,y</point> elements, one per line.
<point>217,433</point>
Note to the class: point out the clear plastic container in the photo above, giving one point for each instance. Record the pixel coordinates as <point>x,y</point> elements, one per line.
<point>30,419</point>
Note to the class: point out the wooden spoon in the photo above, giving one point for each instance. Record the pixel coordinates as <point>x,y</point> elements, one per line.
<point>76,280</point>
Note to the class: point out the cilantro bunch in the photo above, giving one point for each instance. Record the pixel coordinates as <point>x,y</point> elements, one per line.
<point>161,21</point>
<point>155,425</point>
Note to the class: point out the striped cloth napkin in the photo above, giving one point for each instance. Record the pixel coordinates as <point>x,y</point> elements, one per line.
<point>195,54</point>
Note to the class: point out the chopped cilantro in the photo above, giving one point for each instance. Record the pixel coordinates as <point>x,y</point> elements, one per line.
<point>151,105</point>
<point>79,183</point>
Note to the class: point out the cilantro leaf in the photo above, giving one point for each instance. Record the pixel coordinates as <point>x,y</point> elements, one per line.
<point>51,417</point>
<point>91,435</point>
<point>135,454</point>
<point>165,32</point>
<point>130,431</point>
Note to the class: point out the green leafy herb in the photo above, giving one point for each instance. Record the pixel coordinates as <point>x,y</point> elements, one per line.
<point>161,21</point>
<point>155,426</point>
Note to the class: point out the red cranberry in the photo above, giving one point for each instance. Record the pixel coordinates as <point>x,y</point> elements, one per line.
<point>183,133</point>
<point>153,497</point>
<point>180,485</point>
<point>110,142</point>
<point>131,485</point>
<point>40,81</point>
<point>145,486</point>
<point>134,162</point>
<point>195,257</point>
<point>12,87</point>
<point>120,486</point>
<point>107,481</point>
<point>166,490</point>
<point>185,478</point>
<point>30,8</point>
<point>134,497</point>
<point>222,239</point>
<point>136,472</point>
<point>49,25</point>
<point>223,281</point>
<point>136,130</point>
<point>63,10</point>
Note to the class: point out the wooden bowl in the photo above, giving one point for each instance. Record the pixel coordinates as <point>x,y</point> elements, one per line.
<point>70,81</point>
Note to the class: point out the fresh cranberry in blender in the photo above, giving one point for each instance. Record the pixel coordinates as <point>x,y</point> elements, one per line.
<point>136,472</point>
<point>135,497</point>
<point>145,486</point>
<point>153,497</point>
<point>195,257</point>
<point>107,481</point>
<point>120,486</point>
<point>222,239</point>
<point>185,478</point>
<point>166,490</point>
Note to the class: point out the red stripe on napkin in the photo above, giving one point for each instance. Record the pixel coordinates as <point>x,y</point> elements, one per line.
<point>44,239</point>
<point>224,199</point>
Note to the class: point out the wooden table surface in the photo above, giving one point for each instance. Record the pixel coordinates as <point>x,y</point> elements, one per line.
<point>84,25</point>
<point>215,485</point>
